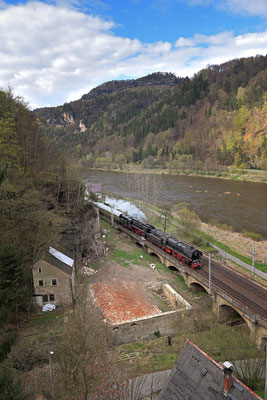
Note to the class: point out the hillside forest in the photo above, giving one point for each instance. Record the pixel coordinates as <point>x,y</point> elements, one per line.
<point>41,197</point>
<point>215,119</point>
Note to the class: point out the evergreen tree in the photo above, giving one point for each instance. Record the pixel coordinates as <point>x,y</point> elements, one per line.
<point>11,389</point>
<point>14,291</point>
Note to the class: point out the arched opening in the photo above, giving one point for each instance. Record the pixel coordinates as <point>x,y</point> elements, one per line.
<point>155,256</point>
<point>173,268</point>
<point>263,342</point>
<point>196,287</point>
<point>230,316</point>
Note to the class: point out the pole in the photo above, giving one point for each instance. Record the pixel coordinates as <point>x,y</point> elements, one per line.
<point>253,260</point>
<point>51,373</point>
<point>210,284</point>
<point>50,354</point>
<point>265,391</point>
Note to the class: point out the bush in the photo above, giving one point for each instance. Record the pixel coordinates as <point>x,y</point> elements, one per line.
<point>11,389</point>
<point>220,225</point>
<point>26,358</point>
<point>252,235</point>
<point>196,240</point>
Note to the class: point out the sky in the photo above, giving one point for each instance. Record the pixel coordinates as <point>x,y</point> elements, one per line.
<point>54,51</point>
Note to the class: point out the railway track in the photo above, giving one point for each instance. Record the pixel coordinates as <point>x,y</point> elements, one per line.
<point>241,288</point>
<point>241,297</point>
<point>250,296</point>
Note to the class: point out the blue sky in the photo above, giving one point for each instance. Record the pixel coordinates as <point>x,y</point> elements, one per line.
<point>55,51</point>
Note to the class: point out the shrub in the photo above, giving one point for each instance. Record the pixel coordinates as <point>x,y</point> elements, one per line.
<point>196,240</point>
<point>252,235</point>
<point>26,358</point>
<point>11,389</point>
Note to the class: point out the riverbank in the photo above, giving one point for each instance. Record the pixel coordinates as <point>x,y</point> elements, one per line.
<point>231,174</point>
<point>238,242</point>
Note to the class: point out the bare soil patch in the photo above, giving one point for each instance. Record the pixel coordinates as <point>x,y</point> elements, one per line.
<point>122,302</point>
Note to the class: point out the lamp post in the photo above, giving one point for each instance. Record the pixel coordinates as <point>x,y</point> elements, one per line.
<point>51,353</point>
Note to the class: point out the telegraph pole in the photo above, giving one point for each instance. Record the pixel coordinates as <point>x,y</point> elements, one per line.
<point>253,260</point>
<point>210,283</point>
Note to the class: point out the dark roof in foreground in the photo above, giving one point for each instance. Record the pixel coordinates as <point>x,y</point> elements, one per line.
<point>196,376</point>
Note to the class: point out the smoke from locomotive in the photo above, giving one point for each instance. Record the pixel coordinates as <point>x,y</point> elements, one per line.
<point>126,207</point>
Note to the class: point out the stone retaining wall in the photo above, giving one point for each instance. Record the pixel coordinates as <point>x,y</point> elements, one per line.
<point>163,324</point>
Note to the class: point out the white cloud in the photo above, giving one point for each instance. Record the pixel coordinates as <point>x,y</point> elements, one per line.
<point>257,7</point>
<point>219,39</point>
<point>51,54</point>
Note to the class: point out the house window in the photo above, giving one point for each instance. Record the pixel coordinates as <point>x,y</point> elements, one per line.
<point>54,282</point>
<point>45,298</point>
<point>41,283</point>
<point>51,297</point>
<point>39,269</point>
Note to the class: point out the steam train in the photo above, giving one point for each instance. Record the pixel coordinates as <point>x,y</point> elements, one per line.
<point>181,251</point>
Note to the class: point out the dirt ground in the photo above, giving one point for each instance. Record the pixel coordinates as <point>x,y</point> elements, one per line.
<point>123,293</point>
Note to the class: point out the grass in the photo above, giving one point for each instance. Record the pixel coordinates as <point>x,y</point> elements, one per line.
<point>219,341</point>
<point>124,257</point>
<point>180,279</point>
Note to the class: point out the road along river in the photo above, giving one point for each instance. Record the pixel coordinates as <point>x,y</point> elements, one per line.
<point>242,205</point>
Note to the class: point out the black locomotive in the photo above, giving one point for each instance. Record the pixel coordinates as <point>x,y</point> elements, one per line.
<point>181,251</point>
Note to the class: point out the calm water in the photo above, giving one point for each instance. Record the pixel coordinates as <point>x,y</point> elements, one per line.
<point>240,204</point>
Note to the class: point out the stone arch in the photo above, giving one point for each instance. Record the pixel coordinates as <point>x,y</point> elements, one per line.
<point>154,254</point>
<point>226,313</point>
<point>173,268</point>
<point>263,342</point>
<point>197,287</point>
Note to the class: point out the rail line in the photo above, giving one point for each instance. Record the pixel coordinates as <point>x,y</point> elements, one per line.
<point>248,294</point>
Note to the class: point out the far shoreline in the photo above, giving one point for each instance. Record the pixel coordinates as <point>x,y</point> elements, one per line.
<point>254,176</point>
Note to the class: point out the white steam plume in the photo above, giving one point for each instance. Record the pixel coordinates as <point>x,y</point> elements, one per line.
<point>126,207</point>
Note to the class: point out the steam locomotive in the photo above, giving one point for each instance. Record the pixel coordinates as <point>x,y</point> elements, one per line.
<point>181,251</point>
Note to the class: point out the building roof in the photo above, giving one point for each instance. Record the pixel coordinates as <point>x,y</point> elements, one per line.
<point>59,260</point>
<point>60,256</point>
<point>196,376</point>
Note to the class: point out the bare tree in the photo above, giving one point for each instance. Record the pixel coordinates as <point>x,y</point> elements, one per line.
<point>148,187</point>
<point>84,355</point>
<point>163,216</point>
<point>188,219</point>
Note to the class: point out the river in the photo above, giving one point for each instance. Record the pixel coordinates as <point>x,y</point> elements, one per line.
<point>239,204</point>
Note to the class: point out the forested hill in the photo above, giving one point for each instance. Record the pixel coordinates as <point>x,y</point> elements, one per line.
<point>216,117</point>
<point>41,197</point>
